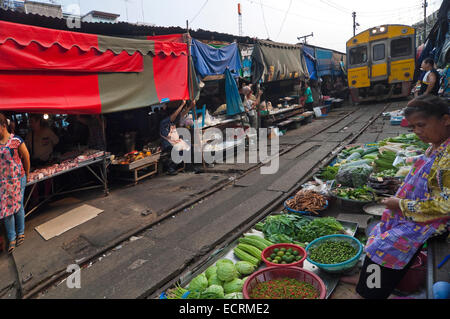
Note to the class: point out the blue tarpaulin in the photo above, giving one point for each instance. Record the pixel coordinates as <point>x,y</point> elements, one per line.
<point>234,102</point>
<point>214,61</point>
<point>308,53</point>
<point>324,61</point>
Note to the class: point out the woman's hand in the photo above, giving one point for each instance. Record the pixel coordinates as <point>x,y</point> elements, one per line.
<point>392,203</point>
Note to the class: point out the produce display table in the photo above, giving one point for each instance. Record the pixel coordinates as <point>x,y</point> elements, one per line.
<point>329,280</point>
<point>137,167</point>
<point>100,160</point>
<point>276,116</point>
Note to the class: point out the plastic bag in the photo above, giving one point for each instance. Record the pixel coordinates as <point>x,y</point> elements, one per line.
<point>354,176</point>
<point>317,186</point>
<point>403,171</point>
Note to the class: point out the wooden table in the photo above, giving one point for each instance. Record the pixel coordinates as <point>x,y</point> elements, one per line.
<point>136,167</point>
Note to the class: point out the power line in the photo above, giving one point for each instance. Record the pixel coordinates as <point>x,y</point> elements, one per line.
<point>298,15</point>
<point>199,11</point>
<point>264,18</point>
<point>335,6</point>
<point>285,16</point>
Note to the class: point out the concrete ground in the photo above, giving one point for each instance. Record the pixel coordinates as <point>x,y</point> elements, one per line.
<point>131,256</point>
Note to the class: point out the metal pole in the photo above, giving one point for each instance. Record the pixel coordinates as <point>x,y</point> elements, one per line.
<point>425,5</point>
<point>354,23</point>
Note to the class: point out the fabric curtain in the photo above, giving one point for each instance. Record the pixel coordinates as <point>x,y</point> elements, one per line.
<point>214,61</point>
<point>234,102</point>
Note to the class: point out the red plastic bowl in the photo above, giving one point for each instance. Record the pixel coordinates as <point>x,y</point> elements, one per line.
<point>269,250</point>
<point>271,273</point>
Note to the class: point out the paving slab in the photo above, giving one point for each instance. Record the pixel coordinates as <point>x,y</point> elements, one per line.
<point>288,180</point>
<point>127,272</point>
<point>122,215</point>
<point>8,280</point>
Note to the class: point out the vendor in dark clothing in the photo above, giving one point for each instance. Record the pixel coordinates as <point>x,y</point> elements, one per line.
<point>430,81</point>
<point>168,132</point>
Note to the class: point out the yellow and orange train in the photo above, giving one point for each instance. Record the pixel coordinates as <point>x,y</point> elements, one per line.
<point>381,62</point>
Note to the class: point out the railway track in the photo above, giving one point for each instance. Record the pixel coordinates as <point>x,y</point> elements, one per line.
<point>60,276</point>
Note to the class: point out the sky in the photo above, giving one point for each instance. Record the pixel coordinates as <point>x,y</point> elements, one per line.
<point>330,21</point>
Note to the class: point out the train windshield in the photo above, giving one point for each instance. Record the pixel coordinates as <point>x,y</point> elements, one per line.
<point>378,52</point>
<point>358,55</point>
<point>401,47</point>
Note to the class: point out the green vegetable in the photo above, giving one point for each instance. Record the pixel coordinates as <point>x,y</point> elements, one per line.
<point>320,227</point>
<point>371,150</point>
<point>284,227</point>
<point>242,255</point>
<point>332,252</point>
<point>224,260</point>
<point>234,285</point>
<point>245,267</point>
<point>354,176</point>
<point>329,173</point>
<point>263,240</point>
<point>226,272</point>
<point>234,295</point>
<point>213,292</point>
<point>385,173</point>
<point>253,242</point>
<point>199,283</point>
<point>255,252</point>
<point>372,156</point>
<point>259,226</point>
<point>214,280</point>
<point>210,271</point>
<point>360,194</point>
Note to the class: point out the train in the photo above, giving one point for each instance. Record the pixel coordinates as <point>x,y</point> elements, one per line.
<point>381,63</point>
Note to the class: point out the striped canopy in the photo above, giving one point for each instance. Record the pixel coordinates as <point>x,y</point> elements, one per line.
<point>55,71</point>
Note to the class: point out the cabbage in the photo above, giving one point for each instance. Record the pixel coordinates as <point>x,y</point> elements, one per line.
<point>199,283</point>
<point>224,261</point>
<point>233,286</point>
<point>213,292</point>
<point>226,271</point>
<point>213,280</point>
<point>234,295</point>
<point>244,267</point>
<point>211,270</point>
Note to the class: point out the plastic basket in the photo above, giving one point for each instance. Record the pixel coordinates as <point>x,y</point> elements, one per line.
<point>301,211</point>
<point>269,250</point>
<point>340,267</point>
<point>271,273</point>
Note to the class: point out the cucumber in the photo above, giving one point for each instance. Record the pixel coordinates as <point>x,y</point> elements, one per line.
<point>253,242</point>
<point>263,240</point>
<point>370,151</point>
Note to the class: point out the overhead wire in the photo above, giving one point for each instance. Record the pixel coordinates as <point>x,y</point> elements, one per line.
<point>264,18</point>
<point>284,20</point>
<point>199,11</point>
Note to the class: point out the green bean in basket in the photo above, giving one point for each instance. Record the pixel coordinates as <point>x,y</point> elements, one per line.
<point>332,252</point>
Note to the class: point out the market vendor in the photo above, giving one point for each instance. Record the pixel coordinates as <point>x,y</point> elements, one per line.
<point>250,104</point>
<point>15,168</point>
<point>421,207</point>
<point>308,101</point>
<point>169,134</point>
<point>96,128</point>
<point>41,140</point>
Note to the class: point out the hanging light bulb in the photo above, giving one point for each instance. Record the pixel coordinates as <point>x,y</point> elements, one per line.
<point>46,116</point>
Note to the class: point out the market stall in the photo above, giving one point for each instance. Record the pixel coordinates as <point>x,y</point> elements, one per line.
<point>66,74</point>
<point>261,262</point>
<point>89,159</point>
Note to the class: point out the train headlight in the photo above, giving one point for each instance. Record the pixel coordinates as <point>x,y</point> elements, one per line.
<point>382,29</point>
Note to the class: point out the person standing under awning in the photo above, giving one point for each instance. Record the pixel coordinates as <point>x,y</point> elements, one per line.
<point>14,171</point>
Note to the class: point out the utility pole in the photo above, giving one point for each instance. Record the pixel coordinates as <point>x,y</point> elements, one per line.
<point>424,6</point>
<point>354,23</point>
<point>240,19</point>
<point>305,36</point>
